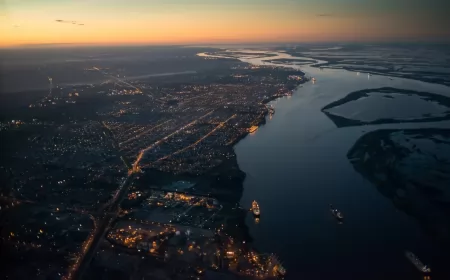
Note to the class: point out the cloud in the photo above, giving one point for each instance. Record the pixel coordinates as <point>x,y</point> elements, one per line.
<point>69,21</point>
<point>325,15</point>
<point>16,26</point>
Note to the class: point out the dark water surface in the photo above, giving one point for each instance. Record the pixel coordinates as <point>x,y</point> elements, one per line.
<point>297,165</point>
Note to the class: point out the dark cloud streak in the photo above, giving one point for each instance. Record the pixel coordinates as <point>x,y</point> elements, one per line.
<point>325,15</point>
<point>68,21</point>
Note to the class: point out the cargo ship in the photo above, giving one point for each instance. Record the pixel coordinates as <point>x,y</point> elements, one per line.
<point>417,263</point>
<point>255,209</point>
<point>336,213</point>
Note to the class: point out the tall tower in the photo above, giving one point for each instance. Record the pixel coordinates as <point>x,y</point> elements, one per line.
<point>50,80</point>
<point>188,233</point>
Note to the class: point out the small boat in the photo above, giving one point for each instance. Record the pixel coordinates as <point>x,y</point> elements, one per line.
<point>336,213</point>
<point>417,263</point>
<point>255,209</point>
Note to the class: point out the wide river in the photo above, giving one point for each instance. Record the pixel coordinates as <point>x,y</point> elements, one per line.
<point>296,166</point>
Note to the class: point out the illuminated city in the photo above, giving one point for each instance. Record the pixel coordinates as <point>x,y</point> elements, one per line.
<point>129,131</point>
<point>222,139</point>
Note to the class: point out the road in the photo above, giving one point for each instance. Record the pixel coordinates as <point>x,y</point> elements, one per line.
<point>136,167</point>
<point>110,213</point>
<point>117,79</point>
<point>143,132</point>
<point>220,125</point>
<point>104,226</point>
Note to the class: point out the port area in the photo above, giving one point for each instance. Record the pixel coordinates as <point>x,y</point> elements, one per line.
<point>175,235</point>
<point>180,208</point>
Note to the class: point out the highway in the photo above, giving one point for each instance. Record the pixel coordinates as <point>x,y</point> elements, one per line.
<point>142,153</point>
<point>220,125</point>
<point>144,132</point>
<point>104,226</point>
<point>110,212</point>
<point>117,79</point>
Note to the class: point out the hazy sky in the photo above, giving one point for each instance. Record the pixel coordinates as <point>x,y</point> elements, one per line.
<point>220,21</point>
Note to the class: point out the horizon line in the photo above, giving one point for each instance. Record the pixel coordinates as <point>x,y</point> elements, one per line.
<point>200,44</point>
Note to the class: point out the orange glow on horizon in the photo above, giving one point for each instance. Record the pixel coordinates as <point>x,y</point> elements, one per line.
<point>158,22</point>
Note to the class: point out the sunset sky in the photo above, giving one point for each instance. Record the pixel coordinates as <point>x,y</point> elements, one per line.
<point>25,22</point>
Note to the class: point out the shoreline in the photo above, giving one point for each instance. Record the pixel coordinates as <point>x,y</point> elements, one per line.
<point>326,63</point>
<point>225,182</point>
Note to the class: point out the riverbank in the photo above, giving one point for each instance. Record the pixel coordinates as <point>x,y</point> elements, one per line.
<point>410,62</point>
<point>298,165</point>
<point>225,181</point>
